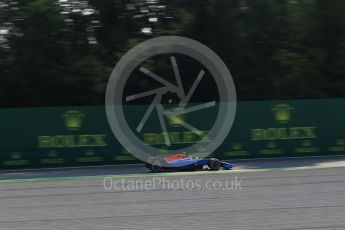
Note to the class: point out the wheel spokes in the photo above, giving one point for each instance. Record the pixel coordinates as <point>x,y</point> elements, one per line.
<point>147,93</point>
<point>184,99</point>
<point>187,126</point>
<point>191,109</point>
<point>154,76</point>
<point>191,91</point>
<point>181,92</point>
<point>148,112</point>
<point>160,112</point>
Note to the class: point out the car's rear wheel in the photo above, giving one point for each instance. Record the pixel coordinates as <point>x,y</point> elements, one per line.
<point>214,164</point>
<point>156,167</point>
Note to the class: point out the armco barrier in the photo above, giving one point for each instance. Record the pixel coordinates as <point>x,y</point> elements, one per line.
<point>74,136</point>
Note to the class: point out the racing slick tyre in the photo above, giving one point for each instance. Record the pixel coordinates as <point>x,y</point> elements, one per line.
<point>156,167</point>
<point>214,164</point>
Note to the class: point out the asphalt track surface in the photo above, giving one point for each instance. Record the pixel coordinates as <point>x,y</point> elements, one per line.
<point>291,194</point>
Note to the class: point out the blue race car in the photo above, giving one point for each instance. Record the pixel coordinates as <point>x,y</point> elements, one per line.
<point>186,162</point>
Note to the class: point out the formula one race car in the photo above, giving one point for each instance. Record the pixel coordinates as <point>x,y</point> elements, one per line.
<point>186,162</point>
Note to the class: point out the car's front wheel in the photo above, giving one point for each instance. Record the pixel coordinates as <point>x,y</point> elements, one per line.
<point>214,164</point>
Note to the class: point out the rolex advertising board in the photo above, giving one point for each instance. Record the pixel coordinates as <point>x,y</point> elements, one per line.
<point>287,128</point>
<point>77,136</point>
<point>51,137</point>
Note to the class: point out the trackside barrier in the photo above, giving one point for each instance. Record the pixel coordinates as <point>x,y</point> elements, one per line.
<point>77,136</point>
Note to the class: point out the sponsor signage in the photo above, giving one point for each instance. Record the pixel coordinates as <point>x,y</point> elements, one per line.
<point>72,136</point>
